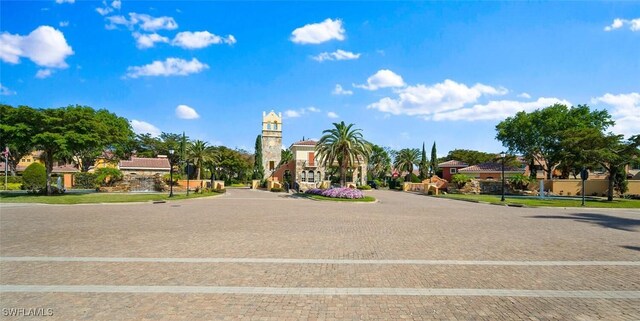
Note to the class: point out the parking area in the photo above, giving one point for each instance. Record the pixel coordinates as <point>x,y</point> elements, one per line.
<point>258,255</point>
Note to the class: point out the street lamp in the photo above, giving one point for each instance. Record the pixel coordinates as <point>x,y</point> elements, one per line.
<point>502,155</point>
<point>171,173</point>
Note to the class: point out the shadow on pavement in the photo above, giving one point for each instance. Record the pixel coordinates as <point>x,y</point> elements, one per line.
<point>631,247</point>
<point>618,223</point>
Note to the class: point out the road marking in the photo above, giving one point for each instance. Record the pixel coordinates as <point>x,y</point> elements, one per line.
<point>318,291</point>
<point>310,261</point>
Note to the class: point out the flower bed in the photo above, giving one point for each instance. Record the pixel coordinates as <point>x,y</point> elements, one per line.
<point>340,192</point>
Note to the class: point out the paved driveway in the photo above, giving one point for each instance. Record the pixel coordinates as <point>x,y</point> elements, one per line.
<point>257,255</point>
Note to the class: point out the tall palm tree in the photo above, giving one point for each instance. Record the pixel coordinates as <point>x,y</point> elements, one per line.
<point>405,159</point>
<point>199,152</point>
<point>343,145</point>
<point>285,156</point>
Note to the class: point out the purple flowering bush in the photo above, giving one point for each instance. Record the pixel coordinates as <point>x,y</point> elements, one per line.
<point>339,192</point>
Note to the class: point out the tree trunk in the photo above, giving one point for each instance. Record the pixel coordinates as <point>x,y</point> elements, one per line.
<point>49,167</point>
<point>198,172</point>
<point>343,175</point>
<point>611,179</point>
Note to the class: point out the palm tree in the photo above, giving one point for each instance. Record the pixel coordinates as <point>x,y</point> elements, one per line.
<point>285,156</point>
<point>405,159</point>
<point>199,152</point>
<point>343,145</point>
<point>379,161</point>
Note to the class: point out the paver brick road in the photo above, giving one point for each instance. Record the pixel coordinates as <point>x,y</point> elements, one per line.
<point>90,251</point>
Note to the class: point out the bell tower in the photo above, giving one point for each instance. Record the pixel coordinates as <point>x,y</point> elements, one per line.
<point>271,141</point>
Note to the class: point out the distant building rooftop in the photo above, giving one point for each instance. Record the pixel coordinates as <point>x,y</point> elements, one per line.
<point>453,163</point>
<point>159,163</point>
<point>490,167</point>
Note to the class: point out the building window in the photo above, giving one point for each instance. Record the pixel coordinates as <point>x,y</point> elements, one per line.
<point>272,165</point>
<point>311,180</point>
<point>319,176</point>
<point>275,126</point>
<point>303,176</point>
<point>452,170</point>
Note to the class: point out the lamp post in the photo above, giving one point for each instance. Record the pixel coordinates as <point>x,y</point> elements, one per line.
<point>188,172</point>
<point>171,173</point>
<point>502,155</point>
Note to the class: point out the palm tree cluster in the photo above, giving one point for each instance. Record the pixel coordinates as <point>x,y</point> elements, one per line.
<point>342,145</point>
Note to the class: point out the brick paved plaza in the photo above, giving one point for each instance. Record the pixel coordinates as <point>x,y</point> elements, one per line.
<point>255,255</point>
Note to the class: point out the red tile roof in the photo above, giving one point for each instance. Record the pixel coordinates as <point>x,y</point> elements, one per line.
<point>453,163</point>
<point>56,169</point>
<point>490,168</point>
<point>145,163</point>
<point>306,143</point>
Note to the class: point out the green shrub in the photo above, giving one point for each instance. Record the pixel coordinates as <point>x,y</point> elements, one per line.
<point>34,177</point>
<point>107,176</point>
<point>460,180</point>
<point>379,183</point>
<point>11,179</point>
<point>277,189</point>
<point>413,178</point>
<point>85,180</point>
<point>520,181</point>
<point>11,186</point>
<point>176,177</point>
<point>364,187</point>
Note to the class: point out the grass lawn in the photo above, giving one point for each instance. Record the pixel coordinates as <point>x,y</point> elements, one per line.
<point>534,202</point>
<point>94,198</point>
<point>366,199</point>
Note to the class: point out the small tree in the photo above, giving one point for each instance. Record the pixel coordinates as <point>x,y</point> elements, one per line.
<point>108,176</point>
<point>34,177</point>
<point>258,168</point>
<point>423,167</point>
<point>434,159</point>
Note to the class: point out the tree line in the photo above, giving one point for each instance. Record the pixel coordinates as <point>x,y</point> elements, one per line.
<point>81,134</point>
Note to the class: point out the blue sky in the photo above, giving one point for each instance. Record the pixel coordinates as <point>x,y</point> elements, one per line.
<point>404,72</point>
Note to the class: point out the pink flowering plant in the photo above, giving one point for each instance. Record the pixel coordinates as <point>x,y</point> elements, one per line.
<point>339,192</point>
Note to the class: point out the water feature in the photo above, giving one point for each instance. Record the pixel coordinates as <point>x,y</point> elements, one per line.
<point>142,184</point>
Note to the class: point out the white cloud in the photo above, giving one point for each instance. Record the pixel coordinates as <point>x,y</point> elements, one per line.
<point>316,33</point>
<point>142,127</point>
<point>524,95</point>
<point>626,112</point>
<point>496,110</point>
<point>117,4</point>
<point>341,91</point>
<point>143,21</point>
<point>65,1</point>
<point>618,23</point>
<point>149,23</point>
<point>332,115</point>
<point>4,91</point>
<point>45,46</point>
<point>290,113</point>
<point>168,67</point>
<point>43,73</point>
<point>382,79</point>
<point>423,100</point>
<point>336,55</point>
<point>200,39</point>
<point>63,23</point>
<point>104,11</point>
<point>144,41</point>
<point>186,112</point>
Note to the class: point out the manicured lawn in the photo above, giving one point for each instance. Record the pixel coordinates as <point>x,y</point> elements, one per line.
<point>366,199</point>
<point>535,202</point>
<point>93,198</point>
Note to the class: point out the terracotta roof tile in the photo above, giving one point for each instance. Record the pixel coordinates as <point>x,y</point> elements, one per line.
<point>306,142</point>
<point>453,163</point>
<point>140,162</point>
<point>489,167</point>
